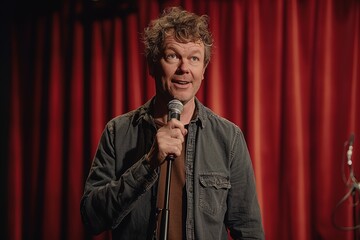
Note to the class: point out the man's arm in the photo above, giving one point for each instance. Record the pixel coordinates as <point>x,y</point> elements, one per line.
<point>107,200</point>
<point>243,214</point>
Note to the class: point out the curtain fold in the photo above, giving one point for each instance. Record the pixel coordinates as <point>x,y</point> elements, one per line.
<point>285,71</point>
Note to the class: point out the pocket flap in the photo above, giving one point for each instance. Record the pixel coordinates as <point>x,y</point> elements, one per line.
<point>215,180</point>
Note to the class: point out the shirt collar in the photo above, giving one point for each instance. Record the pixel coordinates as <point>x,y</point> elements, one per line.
<point>145,113</point>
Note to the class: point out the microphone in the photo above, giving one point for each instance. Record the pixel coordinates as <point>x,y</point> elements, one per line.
<point>350,149</point>
<point>175,108</point>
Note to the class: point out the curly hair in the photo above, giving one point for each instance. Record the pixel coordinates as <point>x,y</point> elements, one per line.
<point>185,27</point>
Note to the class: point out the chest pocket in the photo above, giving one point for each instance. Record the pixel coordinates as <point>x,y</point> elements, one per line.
<point>213,192</point>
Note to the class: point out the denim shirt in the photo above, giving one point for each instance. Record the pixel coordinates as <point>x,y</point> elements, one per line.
<point>120,191</point>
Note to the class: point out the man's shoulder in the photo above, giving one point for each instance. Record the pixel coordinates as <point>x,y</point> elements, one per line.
<point>130,118</point>
<point>213,118</point>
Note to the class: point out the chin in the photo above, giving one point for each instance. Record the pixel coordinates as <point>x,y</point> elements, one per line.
<point>182,96</point>
<point>184,100</point>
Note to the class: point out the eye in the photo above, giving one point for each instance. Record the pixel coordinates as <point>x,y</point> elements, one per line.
<point>195,59</point>
<point>171,57</point>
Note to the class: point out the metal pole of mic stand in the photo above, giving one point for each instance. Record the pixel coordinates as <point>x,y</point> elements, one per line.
<point>354,212</point>
<point>354,186</point>
<point>164,228</point>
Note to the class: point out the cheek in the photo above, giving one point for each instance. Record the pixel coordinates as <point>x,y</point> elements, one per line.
<point>200,75</point>
<point>197,83</point>
<point>166,71</point>
<point>163,74</point>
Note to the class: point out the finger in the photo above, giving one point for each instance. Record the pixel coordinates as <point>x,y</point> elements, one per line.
<point>170,147</point>
<point>174,123</point>
<point>176,133</point>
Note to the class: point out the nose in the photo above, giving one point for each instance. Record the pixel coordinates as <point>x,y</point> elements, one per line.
<point>183,66</point>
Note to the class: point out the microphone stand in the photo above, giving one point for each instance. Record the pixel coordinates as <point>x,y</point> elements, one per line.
<point>166,211</point>
<point>175,108</point>
<point>354,187</point>
<point>353,193</point>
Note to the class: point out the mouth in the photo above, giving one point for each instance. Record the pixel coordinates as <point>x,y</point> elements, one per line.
<point>180,82</point>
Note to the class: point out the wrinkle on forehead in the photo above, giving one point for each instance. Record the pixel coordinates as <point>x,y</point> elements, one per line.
<point>171,42</point>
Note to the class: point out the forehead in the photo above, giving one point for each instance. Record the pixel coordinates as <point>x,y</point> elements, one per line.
<point>171,43</point>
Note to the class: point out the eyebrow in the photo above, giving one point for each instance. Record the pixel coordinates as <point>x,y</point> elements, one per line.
<point>195,51</point>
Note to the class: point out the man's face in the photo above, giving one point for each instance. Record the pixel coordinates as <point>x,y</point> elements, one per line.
<point>181,69</point>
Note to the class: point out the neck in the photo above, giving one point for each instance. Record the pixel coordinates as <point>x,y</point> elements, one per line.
<point>188,112</point>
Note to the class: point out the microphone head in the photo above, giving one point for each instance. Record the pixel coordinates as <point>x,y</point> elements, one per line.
<point>350,149</point>
<point>175,108</point>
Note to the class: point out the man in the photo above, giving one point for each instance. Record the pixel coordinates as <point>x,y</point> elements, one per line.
<point>212,181</point>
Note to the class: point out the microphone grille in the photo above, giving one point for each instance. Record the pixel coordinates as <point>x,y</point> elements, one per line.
<point>175,106</point>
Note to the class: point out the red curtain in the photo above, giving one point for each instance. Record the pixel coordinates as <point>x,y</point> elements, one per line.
<point>286,71</point>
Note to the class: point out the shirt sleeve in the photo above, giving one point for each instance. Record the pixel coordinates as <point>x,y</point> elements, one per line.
<point>243,215</point>
<point>107,200</point>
